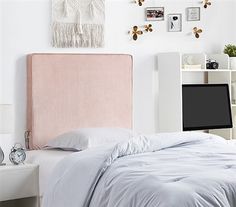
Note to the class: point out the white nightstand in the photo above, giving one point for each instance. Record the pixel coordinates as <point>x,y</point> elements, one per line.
<point>19,185</point>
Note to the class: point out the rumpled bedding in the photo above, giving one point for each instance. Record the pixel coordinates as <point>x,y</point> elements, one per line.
<point>163,170</point>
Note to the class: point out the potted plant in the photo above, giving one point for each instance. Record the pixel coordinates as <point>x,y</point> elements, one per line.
<point>231,51</point>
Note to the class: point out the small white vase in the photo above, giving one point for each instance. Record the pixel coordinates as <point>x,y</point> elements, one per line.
<point>233,63</point>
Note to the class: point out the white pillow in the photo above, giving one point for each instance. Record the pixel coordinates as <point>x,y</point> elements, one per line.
<point>81,139</point>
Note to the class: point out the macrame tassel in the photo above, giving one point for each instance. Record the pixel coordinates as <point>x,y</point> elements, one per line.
<point>66,35</point>
<point>91,9</point>
<point>79,26</point>
<point>65,11</point>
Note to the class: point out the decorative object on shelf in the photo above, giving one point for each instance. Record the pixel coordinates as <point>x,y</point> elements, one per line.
<point>136,32</point>
<point>190,63</point>
<point>188,59</point>
<point>196,32</point>
<point>148,28</point>
<point>17,154</point>
<point>212,64</point>
<point>206,3</point>
<point>140,2</point>
<point>78,23</point>
<point>174,22</point>
<point>6,123</point>
<point>231,51</point>
<point>155,13</point>
<point>193,13</point>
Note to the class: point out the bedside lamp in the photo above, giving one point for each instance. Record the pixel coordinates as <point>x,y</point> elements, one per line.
<point>6,119</point>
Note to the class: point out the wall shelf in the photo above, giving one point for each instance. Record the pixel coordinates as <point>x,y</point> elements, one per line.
<point>205,70</point>
<point>172,76</point>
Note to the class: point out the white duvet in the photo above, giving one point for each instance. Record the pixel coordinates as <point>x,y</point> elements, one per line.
<point>163,170</point>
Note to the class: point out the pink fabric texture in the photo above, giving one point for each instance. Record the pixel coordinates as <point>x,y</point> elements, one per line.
<point>70,91</point>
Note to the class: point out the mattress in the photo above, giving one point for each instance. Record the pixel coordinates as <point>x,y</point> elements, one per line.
<point>47,160</point>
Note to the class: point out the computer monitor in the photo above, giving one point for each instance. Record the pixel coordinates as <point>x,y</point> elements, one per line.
<point>206,106</point>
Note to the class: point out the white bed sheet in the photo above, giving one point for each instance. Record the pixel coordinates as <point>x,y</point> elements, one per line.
<point>47,160</point>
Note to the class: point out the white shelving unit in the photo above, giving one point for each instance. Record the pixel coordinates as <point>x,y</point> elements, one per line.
<point>171,76</point>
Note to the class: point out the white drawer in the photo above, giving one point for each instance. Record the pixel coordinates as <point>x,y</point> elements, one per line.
<point>18,182</point>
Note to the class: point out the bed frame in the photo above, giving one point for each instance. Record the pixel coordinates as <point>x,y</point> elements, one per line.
<point>68,91</point>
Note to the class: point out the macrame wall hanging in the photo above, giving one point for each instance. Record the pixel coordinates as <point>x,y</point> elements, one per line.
<point>78,23</point>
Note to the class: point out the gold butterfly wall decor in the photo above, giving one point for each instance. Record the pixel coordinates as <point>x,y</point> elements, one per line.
<point>140,2</point>
<point>148,28</point>
<point>206,3</point>
<point>196,32</point>
<point>136,32</point>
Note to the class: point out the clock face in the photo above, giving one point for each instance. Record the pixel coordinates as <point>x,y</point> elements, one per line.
<point>17,156</point>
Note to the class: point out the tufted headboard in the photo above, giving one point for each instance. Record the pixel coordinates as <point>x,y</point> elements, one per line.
<point>69,91</point>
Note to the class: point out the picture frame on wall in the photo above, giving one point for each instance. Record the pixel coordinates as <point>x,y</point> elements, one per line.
<point>174,22</point>
<point>155,13</point>
<point>193,14</point>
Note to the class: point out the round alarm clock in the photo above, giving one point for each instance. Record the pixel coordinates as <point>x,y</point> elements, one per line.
<point>17,154</point>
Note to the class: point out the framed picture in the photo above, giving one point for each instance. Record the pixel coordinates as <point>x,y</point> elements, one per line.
<point>193,13</point>
<point>154,13</point>
<point>174,22</point>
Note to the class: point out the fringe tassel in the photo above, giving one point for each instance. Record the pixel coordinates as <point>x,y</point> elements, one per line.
<point>65,11</point>
<point>67,35</point>
<point>79,27</point>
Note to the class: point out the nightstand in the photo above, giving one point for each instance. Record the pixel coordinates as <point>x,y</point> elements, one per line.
<point>19,185</point>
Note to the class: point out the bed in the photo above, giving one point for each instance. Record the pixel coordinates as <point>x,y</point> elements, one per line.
<point>163,170</point>
<point>69,91</point>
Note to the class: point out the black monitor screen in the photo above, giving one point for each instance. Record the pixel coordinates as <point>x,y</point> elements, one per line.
<point>206,106</point>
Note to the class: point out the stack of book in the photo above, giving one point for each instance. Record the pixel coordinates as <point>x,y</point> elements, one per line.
<point>192,66</point>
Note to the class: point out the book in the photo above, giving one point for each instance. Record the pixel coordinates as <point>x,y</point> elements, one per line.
<point>192,66</point>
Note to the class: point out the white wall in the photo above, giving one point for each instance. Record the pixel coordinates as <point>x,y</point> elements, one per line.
<point>25,28</point>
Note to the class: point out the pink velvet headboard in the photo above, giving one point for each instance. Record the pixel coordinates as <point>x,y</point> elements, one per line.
<point>69,91</point>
